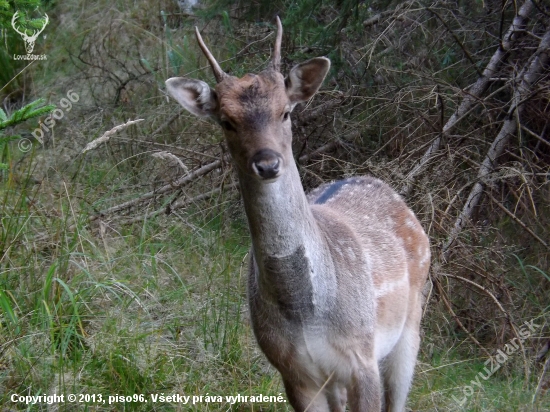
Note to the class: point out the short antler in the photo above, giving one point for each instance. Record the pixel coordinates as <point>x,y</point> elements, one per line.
<point>218,72</point>
<point>276,60</point>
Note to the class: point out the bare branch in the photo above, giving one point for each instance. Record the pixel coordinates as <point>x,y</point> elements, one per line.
<point>180,204</point>
<point>182,181</point>
<point>473,94</point>
<point>524,80</point>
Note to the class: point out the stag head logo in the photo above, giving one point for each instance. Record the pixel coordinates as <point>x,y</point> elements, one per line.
<point>29,40</point>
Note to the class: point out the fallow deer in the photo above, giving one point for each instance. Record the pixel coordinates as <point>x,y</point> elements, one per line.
<point>335,276</point>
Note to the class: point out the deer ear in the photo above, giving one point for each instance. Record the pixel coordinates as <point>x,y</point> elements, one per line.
<point>304,80</point>
<point>194,95</point>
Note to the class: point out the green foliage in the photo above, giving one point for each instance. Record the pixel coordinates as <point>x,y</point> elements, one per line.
<point>29,111</point>
<point>26,9</point>
<point>11,80</point>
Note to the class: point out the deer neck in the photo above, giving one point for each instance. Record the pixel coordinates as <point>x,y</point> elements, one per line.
<point>279,215</point>
<point>287,246</point>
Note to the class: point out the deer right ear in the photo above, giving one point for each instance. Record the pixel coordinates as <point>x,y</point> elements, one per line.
<point>304,80</point>
<point>194,95</point>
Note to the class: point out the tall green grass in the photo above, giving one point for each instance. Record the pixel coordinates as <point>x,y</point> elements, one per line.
<point>154,308</point>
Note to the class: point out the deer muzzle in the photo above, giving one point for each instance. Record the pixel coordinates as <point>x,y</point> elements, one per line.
<point>266,164</point>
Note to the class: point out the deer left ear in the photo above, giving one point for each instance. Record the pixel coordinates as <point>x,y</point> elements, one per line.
<point>304,80</point>
<point>194,95</point>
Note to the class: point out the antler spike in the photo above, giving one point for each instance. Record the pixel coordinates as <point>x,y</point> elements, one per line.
<point>276,60</point>
<point>218,72</point>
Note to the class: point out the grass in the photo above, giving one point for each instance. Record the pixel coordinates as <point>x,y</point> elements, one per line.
<point>160,308</point>
<point>144,311</point>
<point>453,384</point>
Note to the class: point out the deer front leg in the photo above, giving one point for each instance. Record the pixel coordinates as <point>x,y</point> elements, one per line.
<point>305,398</point>
<point>364,390</point>
<point>336,397</point>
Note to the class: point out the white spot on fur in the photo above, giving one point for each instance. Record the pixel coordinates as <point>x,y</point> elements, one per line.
<point>390,287</point>
<point>425,257</point>
<point>410,224</point>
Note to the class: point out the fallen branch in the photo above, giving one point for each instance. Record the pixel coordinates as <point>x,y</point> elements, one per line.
<point>179,204</point>
<point>182,181</point>
<point>308,115</point>
<point>527,77</point>
<point>471,98</point>
<point>175,150</point>
<point>323,149</point>
<point>327,147</point>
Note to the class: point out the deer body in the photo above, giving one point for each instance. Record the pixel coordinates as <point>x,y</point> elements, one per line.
<point>335,277</point>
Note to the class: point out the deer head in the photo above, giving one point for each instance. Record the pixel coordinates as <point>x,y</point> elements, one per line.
<point>29,40</point>
<point>253,111</point>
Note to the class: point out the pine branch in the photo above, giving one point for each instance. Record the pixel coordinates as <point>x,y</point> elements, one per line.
<point>27,112</point>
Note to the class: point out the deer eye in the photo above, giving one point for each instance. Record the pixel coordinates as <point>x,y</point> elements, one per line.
<point>286,116</point>
<point>228,126</point>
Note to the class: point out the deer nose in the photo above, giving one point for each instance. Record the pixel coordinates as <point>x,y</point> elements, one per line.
<point>266,163</point>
